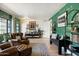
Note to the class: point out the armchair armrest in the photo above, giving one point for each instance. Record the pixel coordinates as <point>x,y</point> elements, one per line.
<point>24,42</point>
<point>4,54</point>
<point>5,45</point>
<point>24,38</point>
<point>12,51</point>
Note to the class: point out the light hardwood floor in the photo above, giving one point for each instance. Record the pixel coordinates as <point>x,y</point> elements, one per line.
<point>51,50</point>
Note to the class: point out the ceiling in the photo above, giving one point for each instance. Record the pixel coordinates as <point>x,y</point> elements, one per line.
<point>40,11</point>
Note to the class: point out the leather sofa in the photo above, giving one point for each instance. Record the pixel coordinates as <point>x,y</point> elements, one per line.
<point>18,50</point>
<point>4,45</point>
<point>13,36</point>
<point>7,47</point>
<point>34,33</point>
<point>8,36</point>
<point>7,50</point>
<point>23,40</point>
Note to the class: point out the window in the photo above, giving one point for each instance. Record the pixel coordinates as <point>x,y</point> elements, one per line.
<point>17,27</point>
<point>3,25</point>
<point>16,24</point>
<point>9,26</point>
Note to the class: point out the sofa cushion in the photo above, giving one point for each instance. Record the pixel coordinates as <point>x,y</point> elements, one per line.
<point>14,42</point>
<point>54,36</point>
<point>18,37</point>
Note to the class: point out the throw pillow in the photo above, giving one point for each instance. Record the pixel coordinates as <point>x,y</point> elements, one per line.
<point>10,41</point>
<point>18,37</point>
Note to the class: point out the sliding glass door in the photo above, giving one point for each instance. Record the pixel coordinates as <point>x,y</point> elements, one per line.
<point>3,25</point>
<point>6,25</point>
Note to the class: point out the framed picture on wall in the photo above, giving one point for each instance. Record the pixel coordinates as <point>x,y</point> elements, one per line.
<point>62,20</point>
<point>32,24</point>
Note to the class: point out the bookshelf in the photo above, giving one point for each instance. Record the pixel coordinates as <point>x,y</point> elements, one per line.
<point>74,25</point>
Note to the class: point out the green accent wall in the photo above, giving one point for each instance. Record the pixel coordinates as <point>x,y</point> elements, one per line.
<point>68,7</point>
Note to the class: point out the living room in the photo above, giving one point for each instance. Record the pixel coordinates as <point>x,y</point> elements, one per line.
<point>39,29</point>
<point>23,34</point>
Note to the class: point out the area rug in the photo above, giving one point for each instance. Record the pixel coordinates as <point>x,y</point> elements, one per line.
<point>39,49</point>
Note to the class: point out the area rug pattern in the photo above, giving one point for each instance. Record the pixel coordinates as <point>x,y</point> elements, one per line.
<point>39,49</point>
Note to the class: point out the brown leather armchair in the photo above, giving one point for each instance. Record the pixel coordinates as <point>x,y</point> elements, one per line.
<point>13,36</point>
<point>22,40</point>
<point>8,50</point>
<point>21,50</point>
<point>11,51</point>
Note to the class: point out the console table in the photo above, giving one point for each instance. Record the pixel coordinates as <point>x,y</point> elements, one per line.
<point>33,35</point>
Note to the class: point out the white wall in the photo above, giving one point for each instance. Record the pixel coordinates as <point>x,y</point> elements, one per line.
<point>44,25</point>
<point>23,26</point>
